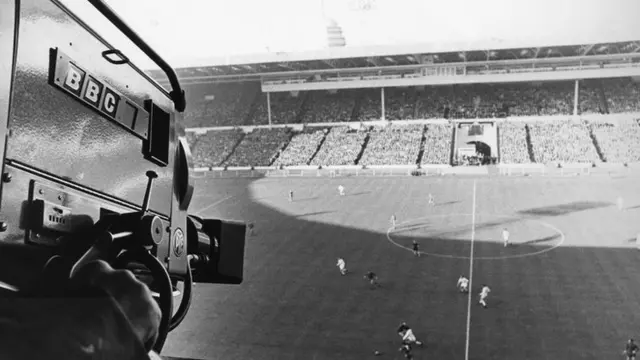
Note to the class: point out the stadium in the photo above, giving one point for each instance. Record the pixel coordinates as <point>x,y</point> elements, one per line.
<point>541,139</point>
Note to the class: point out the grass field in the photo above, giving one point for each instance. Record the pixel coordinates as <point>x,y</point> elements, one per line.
<point>567,288</point>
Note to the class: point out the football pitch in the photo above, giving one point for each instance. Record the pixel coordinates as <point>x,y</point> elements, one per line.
<point>567,288</point>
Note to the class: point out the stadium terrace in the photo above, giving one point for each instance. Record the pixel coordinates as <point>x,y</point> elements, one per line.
<point>418,107</point>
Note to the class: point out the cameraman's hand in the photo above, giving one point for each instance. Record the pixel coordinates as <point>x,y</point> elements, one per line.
<point>133,296</point>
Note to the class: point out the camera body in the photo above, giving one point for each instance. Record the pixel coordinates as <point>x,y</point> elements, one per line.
<point>90,144</point>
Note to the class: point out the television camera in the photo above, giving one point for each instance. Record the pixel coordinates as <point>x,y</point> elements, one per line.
<point>96,165</point>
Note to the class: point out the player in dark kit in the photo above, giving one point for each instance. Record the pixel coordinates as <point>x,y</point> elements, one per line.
<point>290,195</point>
<point>630,350</point>
<point>403,327</point>
<point>373,279</point>
<point>406,350</point>
<point>416,250</point>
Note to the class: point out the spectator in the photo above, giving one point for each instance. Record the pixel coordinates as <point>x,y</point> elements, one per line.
<point>301,148</point>
<point>393,145</point>
<point>370,107</point>
<point>399,103</point>
<point>619,143</point>
<point>259,148</point>
<point>513,143</point>
<point>213,147</point>
<point>562,141</point>
<point>327,107</point>
<point>437,145</point>
<point>341,147</point>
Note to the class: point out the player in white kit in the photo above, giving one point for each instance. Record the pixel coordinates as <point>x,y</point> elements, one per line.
<point>505,237</point>
<point>431,200</point>
<point>342,266</point>
<point>484,293</point>
<point>393,221</point>
<point>407,335</point>
<point>463,284</point>
<point>341,190</point>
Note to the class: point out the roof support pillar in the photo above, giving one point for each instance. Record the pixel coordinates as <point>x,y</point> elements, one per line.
<point>576,92</point>
<point>384,117</point>
<point>269,107</point>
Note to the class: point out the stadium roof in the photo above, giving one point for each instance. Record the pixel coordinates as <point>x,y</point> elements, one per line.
<point>394,55</point>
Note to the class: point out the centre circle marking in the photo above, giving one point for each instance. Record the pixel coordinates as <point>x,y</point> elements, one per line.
<point>504,257</point>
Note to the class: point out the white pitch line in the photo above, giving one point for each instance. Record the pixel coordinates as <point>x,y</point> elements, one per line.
<point>505,257</point>
<point>473,235</point>
<point>212,205</point>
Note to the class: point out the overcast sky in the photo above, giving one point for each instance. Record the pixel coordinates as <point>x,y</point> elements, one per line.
<point>188,30</point>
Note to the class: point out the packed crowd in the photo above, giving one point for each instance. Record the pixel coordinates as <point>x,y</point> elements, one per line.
<point>589,98</point>
<point>393,145</point>
<point>221,105</point>
<point>623,95</point>
<point>301,148</point>
<point>433,102</point>
<point>284,108</point>
<point>341,146</point>
<point>259,147</point>
<point>619,143</point>
<point>551,142</point>
<point>326,107</point>
<point>243,104</point>
<point>400,103</point>
<point>562,142</point>
<point>370,107</point>
<point>513,143</point>
<point>213,147</point>
<point>437,144</point>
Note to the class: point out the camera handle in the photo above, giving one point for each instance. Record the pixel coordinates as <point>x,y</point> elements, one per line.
<point>123,239</point>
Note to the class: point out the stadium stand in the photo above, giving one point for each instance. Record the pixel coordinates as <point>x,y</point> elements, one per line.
<point>513,143</point>
<point>243,104</point>
<point>562,141</point>
<point>393,145</point>
<point>213,147</point>
<point>325,107</point>
<point>619,143</point>
<point>259,147</point>
<point>369,105</point>
<point>432,102</point>
<point>284,108</point>
<point>589,98</point>
<point>475,101</point>
<point>623,96</point>
<point>342,146</point>
<point>400,103</point>
<point>437,144</point>
<point>301,148</point>
<point>218,105</point>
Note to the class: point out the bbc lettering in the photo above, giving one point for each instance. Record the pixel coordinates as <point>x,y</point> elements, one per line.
<point>95,93</point>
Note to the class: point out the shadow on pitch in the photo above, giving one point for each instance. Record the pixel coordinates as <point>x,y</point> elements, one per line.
<point>447,203</point>
<point>358,193</point>
<point>564,209</point>
<point>301,264</point>
<point>540,241</point>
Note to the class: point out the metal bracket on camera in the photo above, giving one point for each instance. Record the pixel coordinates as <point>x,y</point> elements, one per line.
<point>51,212</point>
